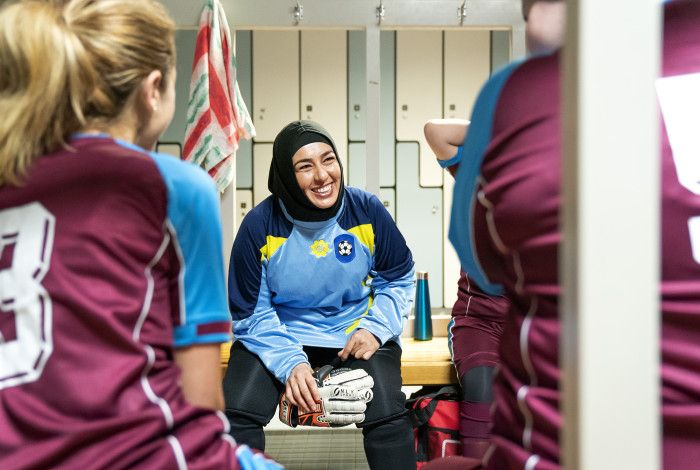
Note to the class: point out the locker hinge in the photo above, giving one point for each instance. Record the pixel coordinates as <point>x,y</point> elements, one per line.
<point>462,12</point>
<point>298,13</point>
<point>380,13</point>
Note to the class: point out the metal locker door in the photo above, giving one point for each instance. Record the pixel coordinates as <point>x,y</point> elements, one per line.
<point>275,82</point>
<point>262,157</point>
<point>324,84</point>
<point>244,76</point>
<point>419,94</point>
<point>244,203</point>
<point>419,217</point>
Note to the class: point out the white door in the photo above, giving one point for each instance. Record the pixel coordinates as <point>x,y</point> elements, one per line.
<point>324,84</point>
<point>275,82</point>
<point>419,94</point>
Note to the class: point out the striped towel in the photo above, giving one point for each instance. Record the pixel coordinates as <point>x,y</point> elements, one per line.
<point>217,117</point>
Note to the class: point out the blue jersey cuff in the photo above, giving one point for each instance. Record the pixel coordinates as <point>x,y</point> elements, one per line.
<point>454,160</point>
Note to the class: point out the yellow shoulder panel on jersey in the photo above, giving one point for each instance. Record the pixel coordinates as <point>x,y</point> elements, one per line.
<point>272,244</point>
<point>365,234</point>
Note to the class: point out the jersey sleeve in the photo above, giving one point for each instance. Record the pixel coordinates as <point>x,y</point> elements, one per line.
<point>467,178</point>
<point>453,163</point>
<point>194,225</point>
<point>255,320</point>
<point>392,275</point>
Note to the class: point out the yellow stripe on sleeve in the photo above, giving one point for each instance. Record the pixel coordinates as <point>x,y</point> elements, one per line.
<point>271,246</point>
<point>365,234</point>
<point>354,324</point>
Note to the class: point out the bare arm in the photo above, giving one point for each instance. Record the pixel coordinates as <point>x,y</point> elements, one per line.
<point>201,375</point>
<point>445,135</point>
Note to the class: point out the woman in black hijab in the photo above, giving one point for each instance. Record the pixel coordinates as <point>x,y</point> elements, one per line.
<point>319,274</point>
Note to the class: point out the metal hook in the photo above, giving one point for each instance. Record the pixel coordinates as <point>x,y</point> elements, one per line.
<point>298,13</point>
<point>380,13</point>
<point>462,12</point>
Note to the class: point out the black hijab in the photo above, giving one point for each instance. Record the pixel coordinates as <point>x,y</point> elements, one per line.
<point>282,181</point>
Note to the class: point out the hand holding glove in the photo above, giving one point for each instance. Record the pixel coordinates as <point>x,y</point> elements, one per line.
<point>344,396</point>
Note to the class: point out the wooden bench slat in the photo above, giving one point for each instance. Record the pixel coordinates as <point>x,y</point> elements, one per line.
<point>422,362</point>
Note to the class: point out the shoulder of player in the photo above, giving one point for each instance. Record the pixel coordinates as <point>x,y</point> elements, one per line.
<point>263,220</point>
<point>359,198</point>
<point>360,207</point>
<point>182,175</point>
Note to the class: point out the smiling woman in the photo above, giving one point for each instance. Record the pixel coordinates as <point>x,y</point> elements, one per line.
<point>318,173</point>
<point>319,274</point>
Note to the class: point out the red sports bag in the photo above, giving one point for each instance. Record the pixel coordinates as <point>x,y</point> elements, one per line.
<point>435,418</point>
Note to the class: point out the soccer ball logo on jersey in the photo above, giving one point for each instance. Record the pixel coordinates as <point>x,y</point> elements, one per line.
<point>344,247</point>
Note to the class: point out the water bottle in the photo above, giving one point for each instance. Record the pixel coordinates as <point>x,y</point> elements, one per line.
<point>423,323</point>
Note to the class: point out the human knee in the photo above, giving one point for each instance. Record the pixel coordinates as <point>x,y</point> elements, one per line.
<point>246,419</point>
<point>389,428</point>
<point>477,384</point>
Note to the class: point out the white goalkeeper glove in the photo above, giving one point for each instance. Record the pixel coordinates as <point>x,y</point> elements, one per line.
<point>344,396</point>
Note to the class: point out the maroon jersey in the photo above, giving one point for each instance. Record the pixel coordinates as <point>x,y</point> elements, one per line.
<point>109,258</point>
<point>477,318</point>
<point>515,221</point>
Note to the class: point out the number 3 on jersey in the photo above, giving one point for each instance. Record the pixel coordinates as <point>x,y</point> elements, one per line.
<point>679,99</point>
<point>26,240</point>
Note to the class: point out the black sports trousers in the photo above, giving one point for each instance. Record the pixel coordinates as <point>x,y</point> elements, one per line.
<point>252,394</point>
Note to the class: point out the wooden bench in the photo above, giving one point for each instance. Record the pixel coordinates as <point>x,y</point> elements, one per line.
<point>422,362</point>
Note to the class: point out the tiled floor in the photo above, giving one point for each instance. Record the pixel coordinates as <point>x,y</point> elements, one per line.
<point>322,449</point>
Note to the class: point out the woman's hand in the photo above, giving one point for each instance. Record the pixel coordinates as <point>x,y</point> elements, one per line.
<point>301,388</point>
<point>362,344</point>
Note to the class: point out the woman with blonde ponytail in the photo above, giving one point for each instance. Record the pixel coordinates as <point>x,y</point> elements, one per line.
<point>112,293</point>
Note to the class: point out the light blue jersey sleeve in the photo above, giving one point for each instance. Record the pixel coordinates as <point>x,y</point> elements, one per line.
<point>194,225</point>
<point>393,284</point>
<point>255,321</point>
<point>252,461</point>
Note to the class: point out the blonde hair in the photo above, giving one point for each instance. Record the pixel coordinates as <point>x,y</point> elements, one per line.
<point>72,63</point>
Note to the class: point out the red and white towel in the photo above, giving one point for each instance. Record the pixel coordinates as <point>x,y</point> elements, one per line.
<point>217,117</point>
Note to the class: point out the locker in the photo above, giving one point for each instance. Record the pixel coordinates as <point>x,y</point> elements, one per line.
<point>262,156</point>
<point>229,223</point>
<point>357,98</point>
<point>467,66</point>
<point>324,84</point>
<point>356,165</point>
<point>388,198</point>
<point>419,94</point>
<point>419,217</point>
<point>184,42</point>
<point>387,165</point>
<point>500,49</point>
<point>275,82</point>
<point>244,203</point>
<point>356,157</point>
<point>244,72</point>
<point>170,148</point>
<point>357,90</point>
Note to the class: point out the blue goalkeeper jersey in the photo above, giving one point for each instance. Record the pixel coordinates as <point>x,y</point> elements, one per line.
<point>294,283</point>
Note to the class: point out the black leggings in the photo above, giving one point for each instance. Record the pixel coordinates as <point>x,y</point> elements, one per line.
<point>252,394</point>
